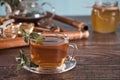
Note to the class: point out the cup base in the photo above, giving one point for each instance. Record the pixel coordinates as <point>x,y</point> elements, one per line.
<point>68,65</point>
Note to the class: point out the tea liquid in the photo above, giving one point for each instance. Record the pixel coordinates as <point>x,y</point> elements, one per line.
<point>49,54</point>
<point>105,19</point>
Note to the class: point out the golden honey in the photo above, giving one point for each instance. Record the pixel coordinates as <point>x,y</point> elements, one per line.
<point>105,19</point>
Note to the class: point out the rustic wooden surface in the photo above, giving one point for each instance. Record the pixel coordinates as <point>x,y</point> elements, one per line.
<point>12,43</point>
<point>98,58</point>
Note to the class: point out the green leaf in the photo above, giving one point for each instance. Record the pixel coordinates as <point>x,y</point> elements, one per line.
<point>24,60</point>
<point>26,39</point>
<point>23,57</point>
<point>33,35</point>
<point>23,32</point>
<point>36,36</point>
<point>19,66</point>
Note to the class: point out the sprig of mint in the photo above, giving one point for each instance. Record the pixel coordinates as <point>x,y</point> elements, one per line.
<point>25,35</point>
<point>36,36</point>
<point>22,60</point>
<point>33,35</point>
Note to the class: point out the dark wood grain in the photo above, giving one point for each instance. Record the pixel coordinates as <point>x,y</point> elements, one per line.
<point>98,58</point>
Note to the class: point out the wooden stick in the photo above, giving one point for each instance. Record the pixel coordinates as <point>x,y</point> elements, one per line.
<point>73,35</point>
<point>80,25</point>
<point>19,41</point>
<point>41,29</point>
<point>63,29</point>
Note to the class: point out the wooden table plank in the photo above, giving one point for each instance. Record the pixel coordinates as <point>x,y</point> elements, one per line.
<point>98,58</point>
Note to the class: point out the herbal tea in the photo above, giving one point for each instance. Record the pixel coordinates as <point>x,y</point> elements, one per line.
<point>105,19</point>
<point>50,53</point>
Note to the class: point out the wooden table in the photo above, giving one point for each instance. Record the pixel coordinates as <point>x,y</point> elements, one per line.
<point>98,58</point>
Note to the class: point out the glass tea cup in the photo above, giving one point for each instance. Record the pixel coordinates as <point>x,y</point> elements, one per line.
<point>52,53</point>
<point>105,16</point>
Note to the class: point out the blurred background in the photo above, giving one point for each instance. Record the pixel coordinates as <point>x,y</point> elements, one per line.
<point>66,7</point>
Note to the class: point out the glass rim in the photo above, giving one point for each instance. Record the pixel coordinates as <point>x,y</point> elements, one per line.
<point>107,3</point>
<point>50,40</point>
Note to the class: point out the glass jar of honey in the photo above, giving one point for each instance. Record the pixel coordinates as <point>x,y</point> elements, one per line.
<point>105,16</point>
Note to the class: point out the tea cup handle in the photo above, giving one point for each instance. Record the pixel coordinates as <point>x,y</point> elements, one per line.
<point>52,7</point>
<point>73,53</point>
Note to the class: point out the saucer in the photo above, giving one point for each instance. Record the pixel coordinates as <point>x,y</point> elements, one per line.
<point>68,65</point>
